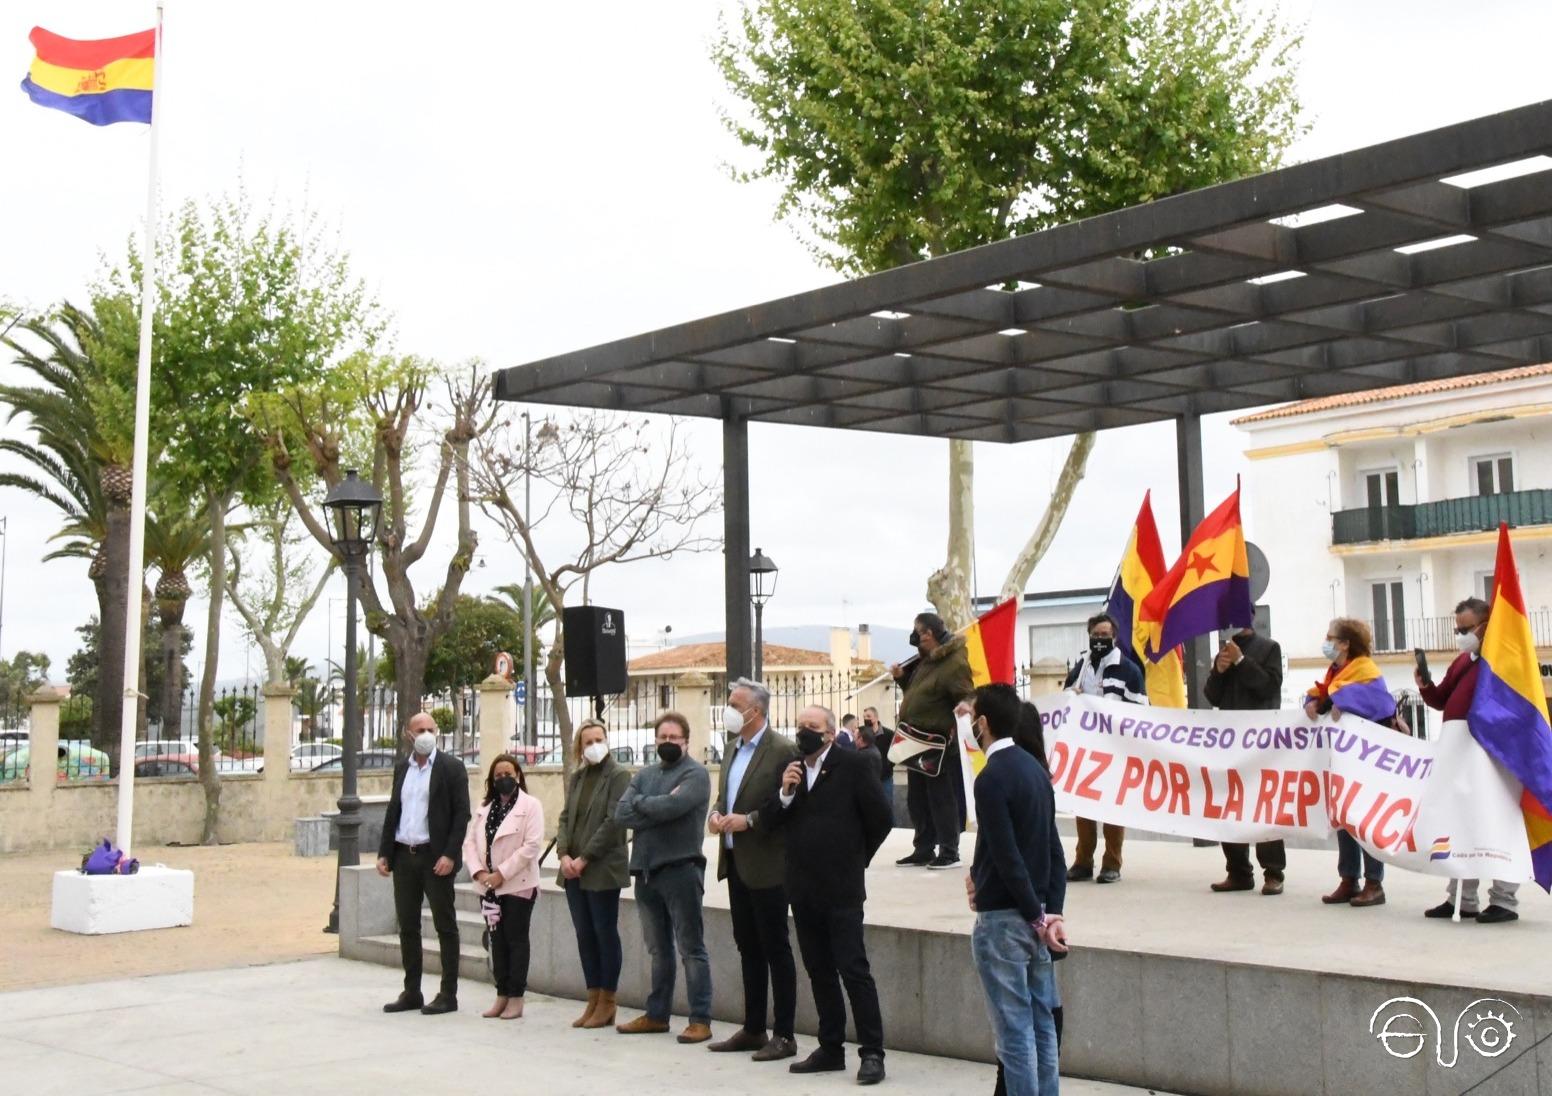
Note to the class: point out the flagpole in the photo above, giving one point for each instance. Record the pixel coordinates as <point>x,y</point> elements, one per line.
<point>140,471</point>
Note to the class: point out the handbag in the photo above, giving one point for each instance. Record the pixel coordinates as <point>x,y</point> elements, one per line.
<point>918,751</point>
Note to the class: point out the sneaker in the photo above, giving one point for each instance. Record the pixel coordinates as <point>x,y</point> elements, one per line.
<point>1079,872</point>
<point>943,863</point>
<point>1495,915</point>
<point>1108,875</point>
<point>915,860</point>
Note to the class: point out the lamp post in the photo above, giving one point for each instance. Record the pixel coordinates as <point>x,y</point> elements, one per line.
<point>353,507</point>
<point>762,584</point>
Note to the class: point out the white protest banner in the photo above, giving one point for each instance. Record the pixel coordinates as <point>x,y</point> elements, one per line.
<point>1257,776</point>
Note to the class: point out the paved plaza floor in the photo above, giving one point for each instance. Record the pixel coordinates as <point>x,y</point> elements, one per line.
<point>316,1026</point>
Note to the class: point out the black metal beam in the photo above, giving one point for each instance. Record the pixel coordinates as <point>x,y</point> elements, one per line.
<point>1188,463</point>
<point>735,545</point>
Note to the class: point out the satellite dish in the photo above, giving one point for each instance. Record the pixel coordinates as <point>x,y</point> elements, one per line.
<point>1260,571</point>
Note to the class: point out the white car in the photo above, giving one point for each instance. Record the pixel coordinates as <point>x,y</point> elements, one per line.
<point>309,755</point>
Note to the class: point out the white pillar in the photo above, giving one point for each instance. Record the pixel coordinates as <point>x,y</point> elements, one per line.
<point>277,731</point>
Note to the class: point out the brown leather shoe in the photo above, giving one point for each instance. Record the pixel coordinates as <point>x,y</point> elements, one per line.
<point>1343,894</point>
<point>1234,883</point>
<point>780,1046</point>
<point>603,1013</point>
<point>592,1005</point>
<point>1272,886</point>
<point>740,1040</point>
<point>695,1033</point>
<point>643,1025</point>
<point>1372,895</point>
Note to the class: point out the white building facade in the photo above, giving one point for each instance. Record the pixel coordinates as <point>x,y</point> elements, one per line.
<point>1385,506</point>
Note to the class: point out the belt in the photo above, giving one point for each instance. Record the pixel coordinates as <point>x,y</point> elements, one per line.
<point>424,846</point>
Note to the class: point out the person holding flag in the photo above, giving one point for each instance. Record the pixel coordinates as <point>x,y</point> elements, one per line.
<point>938,682</point>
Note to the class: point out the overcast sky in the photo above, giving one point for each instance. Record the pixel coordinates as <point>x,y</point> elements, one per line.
<point>517,180</point>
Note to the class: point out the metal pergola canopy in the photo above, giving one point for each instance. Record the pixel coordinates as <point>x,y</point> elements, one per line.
<point>1357,271</point>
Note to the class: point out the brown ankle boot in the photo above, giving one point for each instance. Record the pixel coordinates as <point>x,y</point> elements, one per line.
<point>603,1014</point>
<point>1372,895</point>
<point>1343,893</point>
<point>587,1013</point>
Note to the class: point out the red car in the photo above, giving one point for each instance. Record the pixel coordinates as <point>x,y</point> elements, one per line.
<point>181,764</point>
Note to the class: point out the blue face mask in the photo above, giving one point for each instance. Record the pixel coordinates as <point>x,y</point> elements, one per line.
<point>1328,648</point>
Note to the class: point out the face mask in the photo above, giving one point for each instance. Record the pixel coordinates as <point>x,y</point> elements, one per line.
<point>732,720</point>
<point>1100,646</point>
<point>983,737</point>
<point>913,639</point>
<point>669,752</point>
<point>1469,643</point>
<point>595,753</point>
<point>425,742</point>
<point>1328,649</point>
<point>809,741</point>
<point>505,786</point>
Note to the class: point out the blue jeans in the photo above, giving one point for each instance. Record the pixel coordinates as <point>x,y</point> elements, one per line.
<point>1020,987</point>
<point>669,904</point>
<point>1350,855</point>
<point>596,917</point>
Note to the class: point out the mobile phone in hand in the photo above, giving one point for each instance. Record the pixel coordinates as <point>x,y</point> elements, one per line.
<point>1422,665</point>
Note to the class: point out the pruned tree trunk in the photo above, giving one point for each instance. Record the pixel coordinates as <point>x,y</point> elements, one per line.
<point>552,674</point>
<point>217,505</point>
<point>1034,549</point>
<point>948,588</point>
<point>113,590</point>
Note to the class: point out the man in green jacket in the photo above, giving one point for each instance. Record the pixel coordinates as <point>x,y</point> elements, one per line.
<point>934,686</point>
<point>751,856</point>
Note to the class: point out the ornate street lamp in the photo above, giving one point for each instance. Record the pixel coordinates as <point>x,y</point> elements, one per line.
<point>353,508</point>
<point>762,584</point>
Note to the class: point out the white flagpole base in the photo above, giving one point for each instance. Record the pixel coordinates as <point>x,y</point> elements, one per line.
<point>155,897</point>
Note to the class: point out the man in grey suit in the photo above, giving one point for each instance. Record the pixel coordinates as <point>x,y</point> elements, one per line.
<point>751,856</point>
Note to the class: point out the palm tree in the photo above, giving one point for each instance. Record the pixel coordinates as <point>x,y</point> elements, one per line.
<point>298,669</point>
<point>79,463</point>
<point>543,612</point>
<point>176,536</point>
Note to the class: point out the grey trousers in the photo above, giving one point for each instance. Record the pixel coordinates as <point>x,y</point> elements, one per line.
<point>1499,894</point>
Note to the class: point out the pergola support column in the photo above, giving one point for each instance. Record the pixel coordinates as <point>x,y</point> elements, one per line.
<point>735,544</point>
<point>1188,455</point>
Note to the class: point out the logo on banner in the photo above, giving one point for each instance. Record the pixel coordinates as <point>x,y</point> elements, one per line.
<point>1487,1030</point>
<point>1440,849</point>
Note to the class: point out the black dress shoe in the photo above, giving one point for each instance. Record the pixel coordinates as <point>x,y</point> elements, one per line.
<point>871,1072</point>
<point>1495,915</point>
<point>439,1004</point>
<point>405,1002</point>
<point>1079,872</point>
<point>821,1061</point>
<point>1446,909</point>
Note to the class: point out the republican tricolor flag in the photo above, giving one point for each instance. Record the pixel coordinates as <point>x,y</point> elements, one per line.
<point>989,645</point>
<point>1142,568</point>
<point>1207,589</point>
<point>1508,715</point>
<point>101,81</point>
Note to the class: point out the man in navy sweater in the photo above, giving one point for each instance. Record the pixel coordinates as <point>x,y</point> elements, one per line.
<point>1018,879</point>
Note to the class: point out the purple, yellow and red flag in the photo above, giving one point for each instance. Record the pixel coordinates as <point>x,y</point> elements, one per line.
<point>1208,588</point>
<point>1508,715</point>
<point>1358,687</point>
<point>1142,568</point>
<point>989,644</point>
<point>101,81</point>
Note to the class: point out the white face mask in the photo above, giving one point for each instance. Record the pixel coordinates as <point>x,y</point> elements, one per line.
<point>732,720</point>
<point>1328,648</point>
<point>425,742</point>
<point>1469,643</point>
<point>595,753</point>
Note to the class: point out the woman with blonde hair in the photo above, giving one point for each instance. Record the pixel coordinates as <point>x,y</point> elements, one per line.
<point>594,867</point>
<point>502,851</point>
<point>1352,683</point>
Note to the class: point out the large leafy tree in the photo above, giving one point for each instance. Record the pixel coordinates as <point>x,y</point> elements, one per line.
<point>899,130</point>
<point>482,627</point>
<point>247,301</point>
<point>176,537</point>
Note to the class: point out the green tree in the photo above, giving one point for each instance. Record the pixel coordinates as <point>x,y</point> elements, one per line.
<point>78,461</point>
<point>247,301</point>
<point>176,536</point>
<point>465,654</point>
<point>83,668</point>
<point>21,675</point>
<point>235,711</point>
<point>901,130</point>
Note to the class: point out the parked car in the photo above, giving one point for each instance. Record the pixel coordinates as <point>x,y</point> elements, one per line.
<point>309,755</point>
<point>366,759</point>
<point>171,764</point>
<point>167,746</point>
<point>75,761</point>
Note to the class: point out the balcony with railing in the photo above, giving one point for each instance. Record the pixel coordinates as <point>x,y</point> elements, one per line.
<point>1472,514</point>
<point>1438,633</point>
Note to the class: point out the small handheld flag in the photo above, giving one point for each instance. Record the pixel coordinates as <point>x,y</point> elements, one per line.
<point>1508,714</point>
<point>100,81</point>
<point>1208,588</point>
<point>989,644</point>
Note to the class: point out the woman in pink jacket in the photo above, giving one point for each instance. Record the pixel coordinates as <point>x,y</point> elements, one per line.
<point>502,851</point>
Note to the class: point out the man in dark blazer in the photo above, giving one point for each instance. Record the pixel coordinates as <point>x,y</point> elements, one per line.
<point>833,810</point>
<point>422,847</point>
<point>1247,676</point>
<point>751,856</point>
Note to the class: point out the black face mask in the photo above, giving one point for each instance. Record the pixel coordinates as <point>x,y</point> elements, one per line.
<point>1100,646</point>
<point>809,742</point>
<point>913,639</point>
<point>669,752</point>
<point>505,786</point>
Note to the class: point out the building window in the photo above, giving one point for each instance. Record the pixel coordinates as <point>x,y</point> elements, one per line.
<point>1382,488</point>
<point>1493,475</point>
<point>1485,586</point>
<point>1389,616</point>
<point>1059,641</point>
<point>665,696</point>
